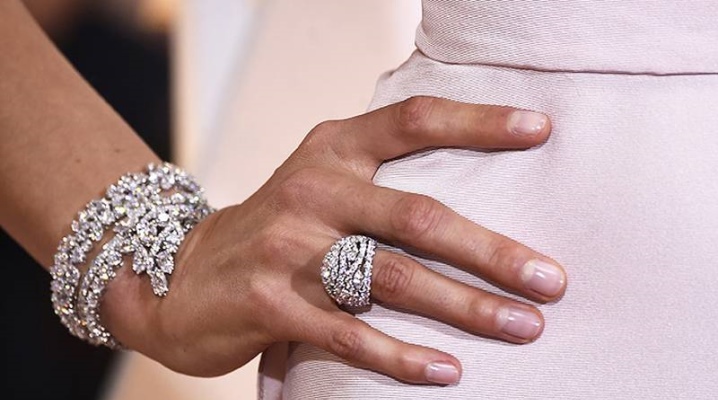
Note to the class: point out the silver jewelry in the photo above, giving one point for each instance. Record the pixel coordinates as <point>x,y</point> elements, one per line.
<point>151,213</point>
<point>156,224</point>
<point>346,270</point>
<point>87,229</point>
<point>92,287</point>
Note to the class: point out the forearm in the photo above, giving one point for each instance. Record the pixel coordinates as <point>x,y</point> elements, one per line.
<point>61,145</point>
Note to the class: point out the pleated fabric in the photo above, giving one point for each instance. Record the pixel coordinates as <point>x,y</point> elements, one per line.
<point>624,194</point>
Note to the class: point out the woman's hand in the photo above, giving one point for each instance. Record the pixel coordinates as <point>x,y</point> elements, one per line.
<point>249,275</point>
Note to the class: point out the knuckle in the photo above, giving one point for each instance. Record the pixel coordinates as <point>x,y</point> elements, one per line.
<point>276,241</point>
<point>300,185</point>
<point>321,136</point>
<point>347,343</point>
<point>413,114</point>
<point>393,279</point>
<point>407,368</point>
<point>502,253</point>
<point>405,363</point>
<point>482,313</point>
<point>260,293</point>
<point>416,215</point>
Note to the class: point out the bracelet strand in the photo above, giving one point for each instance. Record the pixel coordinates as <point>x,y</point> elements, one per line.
<point>150,214</point>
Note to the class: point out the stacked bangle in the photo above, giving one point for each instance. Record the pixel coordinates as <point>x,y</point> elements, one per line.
<point>149,213</point>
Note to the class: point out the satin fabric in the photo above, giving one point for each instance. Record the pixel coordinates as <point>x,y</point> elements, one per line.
<point>624,195</point>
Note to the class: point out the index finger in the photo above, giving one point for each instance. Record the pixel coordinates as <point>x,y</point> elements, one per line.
<point>427,122</point>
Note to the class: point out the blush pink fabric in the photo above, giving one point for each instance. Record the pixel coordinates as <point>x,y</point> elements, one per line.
<point>624,195</point>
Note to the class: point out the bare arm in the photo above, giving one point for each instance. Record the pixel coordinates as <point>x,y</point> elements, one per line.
<point>60,143</point>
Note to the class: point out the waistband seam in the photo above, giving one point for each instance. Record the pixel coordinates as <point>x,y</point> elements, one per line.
<point>565,71</point>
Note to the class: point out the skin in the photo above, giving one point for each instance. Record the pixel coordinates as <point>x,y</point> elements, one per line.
<point>248,275</point>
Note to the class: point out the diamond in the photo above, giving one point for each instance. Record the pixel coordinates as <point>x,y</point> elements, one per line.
<point>148,223</point>
<point>120,211</point>
<point>167,179</point>
<point>165,262</point>
<point>347,270</point>
<point>97,286</point>
<point>113,258</point>
<point>174,235</point>
<point>72,274</point>
<point>146,231</point>
<point>65,244</point>
<point>159,283</point>
<point>85,245</point>
<point>77,256</point>
<point>125,244</point>
<point>142,261</point>
<point>358,280</point>
<point>61,257</point>
<point>154,177</point>
<point>351,254</point>
<point>163,217</point>
<point>94,231</point>
<point>83,216</point>
<point>178,198</point>
<point>56,285</point>
<point>102,211</point>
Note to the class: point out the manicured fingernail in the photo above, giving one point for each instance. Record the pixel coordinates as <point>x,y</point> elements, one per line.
<point>519,323</point>
<point>543,278</point>
<point>526,122</point>
<point>442,373</point>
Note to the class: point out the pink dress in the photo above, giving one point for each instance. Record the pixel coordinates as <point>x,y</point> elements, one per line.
<point>624,195</point>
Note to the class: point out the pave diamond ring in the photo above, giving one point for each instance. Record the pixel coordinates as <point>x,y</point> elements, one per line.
<point>346,270</point>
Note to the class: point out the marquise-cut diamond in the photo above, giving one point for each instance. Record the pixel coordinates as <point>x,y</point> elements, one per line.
<point>142,261</point>
<point>173,235</point>
<point>165,262</point>
<point>159,283</point>
<point>148,222</point>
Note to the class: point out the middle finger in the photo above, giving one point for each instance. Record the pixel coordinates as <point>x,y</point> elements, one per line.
<point>422,223</point>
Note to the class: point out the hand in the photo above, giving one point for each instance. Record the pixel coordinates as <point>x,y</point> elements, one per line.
<point>249,275</point>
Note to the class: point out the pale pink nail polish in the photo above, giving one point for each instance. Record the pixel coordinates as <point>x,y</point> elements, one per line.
<point>543,278</point>
<point>519,323</point>
<point>526,122</point>
<point>442,373</point>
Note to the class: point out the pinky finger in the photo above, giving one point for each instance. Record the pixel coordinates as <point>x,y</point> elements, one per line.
<point>357,342</point>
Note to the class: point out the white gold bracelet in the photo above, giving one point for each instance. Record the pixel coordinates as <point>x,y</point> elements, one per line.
<point>151,213</point>
<point>87,229</point>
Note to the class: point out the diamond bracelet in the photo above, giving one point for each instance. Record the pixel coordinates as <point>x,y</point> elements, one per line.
<point>150,214</point>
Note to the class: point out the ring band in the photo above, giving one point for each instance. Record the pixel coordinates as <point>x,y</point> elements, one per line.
<point>346,270</point>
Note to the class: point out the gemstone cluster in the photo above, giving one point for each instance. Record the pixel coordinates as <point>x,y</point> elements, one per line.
<point>346,270</point>
<point>147,215</point>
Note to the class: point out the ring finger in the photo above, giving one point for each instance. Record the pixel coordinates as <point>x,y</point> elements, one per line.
<point>424,224</point>
<point>402,282</point>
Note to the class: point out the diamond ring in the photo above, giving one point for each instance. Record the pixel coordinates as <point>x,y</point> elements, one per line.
<point>346,270</point>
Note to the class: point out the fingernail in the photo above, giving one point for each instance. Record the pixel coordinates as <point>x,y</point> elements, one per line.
<point>543,278</point>
<point>519,323</point>
<point>526,122</point>
<point>442,373</point>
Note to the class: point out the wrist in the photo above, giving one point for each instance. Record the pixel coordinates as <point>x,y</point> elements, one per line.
<point>149,215</point>
<point>127,310</point>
